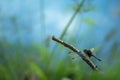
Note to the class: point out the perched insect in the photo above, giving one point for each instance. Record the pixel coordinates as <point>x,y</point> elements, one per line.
<point>90,54</point>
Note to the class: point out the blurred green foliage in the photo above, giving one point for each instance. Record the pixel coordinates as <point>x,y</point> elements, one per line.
<point>37,61</point>
<point>34,61</point>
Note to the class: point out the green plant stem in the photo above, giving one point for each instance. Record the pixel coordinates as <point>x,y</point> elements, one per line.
<point>69,23</point>
<point>71,19</point>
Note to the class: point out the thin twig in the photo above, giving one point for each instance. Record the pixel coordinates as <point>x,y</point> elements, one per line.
<point>88,61</point>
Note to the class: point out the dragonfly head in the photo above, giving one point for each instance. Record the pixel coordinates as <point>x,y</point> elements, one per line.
<point>85,50</point>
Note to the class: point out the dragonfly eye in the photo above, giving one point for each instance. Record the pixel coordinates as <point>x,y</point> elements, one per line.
<point>85,50</point>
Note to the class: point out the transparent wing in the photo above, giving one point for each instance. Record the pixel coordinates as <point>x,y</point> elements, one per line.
<point>73,56</point>
<point>92,49</point>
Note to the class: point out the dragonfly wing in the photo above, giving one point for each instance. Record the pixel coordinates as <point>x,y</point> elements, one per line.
<point>92,49</point>
<point>73,56</point>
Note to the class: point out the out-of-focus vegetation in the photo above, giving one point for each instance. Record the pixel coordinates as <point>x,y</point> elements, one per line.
<point>22,57</point>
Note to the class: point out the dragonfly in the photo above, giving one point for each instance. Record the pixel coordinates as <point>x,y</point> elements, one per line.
<point>90,54</point>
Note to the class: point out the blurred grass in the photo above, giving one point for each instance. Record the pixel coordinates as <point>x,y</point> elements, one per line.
<point>19,61</point>
<point>16,65</point>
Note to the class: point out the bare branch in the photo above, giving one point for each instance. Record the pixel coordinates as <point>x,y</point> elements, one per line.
<point>88,61</point>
